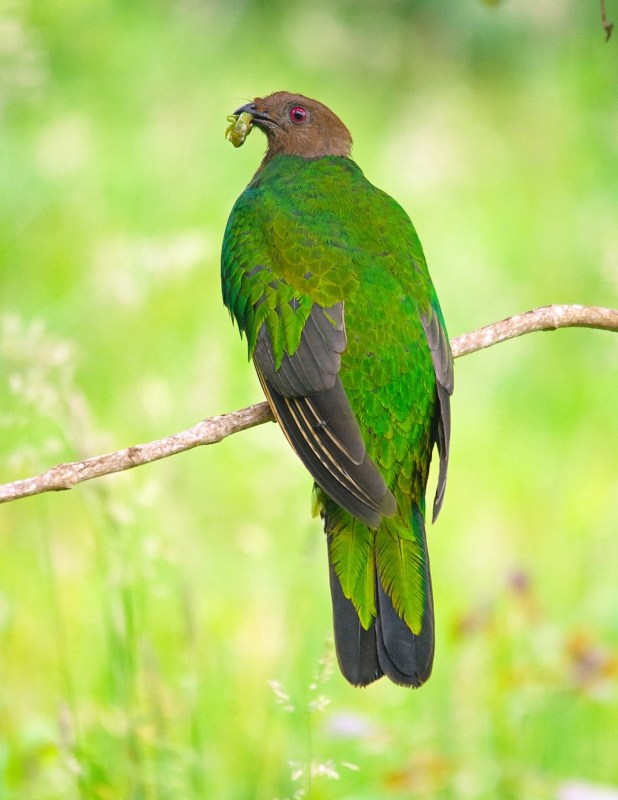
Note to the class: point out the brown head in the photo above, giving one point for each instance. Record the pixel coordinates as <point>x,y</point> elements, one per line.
<point>297,125</point>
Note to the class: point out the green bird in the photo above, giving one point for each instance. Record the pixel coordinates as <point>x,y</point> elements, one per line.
<point>326,277</point>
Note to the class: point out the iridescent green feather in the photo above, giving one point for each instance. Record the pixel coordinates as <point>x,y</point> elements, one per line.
<point>352,555</point>
<point>275,256</point>
<point>401,559</point>
<point>284,250</point>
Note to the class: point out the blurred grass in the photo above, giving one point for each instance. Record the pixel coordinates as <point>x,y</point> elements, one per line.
<point>142,616</point>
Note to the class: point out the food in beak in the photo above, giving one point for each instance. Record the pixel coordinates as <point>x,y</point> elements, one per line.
<point>239,128</point>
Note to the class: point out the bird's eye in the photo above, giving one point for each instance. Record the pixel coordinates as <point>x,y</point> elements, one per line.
<point>298,114</point>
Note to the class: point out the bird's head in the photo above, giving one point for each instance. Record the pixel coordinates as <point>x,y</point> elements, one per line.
<point>297,125</point>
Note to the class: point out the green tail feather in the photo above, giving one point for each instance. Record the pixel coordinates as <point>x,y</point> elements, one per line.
<point>351,553</point>
<point>401,561</point>
<point>398,551</point>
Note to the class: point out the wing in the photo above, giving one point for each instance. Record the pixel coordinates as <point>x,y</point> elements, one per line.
<point>284,281</point>
<point>442,359</point>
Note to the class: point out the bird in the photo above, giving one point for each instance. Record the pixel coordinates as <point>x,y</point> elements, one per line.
<point>325,276</point>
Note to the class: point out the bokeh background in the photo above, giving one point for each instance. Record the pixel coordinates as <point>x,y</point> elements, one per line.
<point>165,633</point>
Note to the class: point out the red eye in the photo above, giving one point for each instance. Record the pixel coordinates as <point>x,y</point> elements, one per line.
<point>298,114</point>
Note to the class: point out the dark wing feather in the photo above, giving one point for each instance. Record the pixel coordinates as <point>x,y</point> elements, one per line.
<point>442,359</point>
<point>315,363</point>
<point>312,407</point>
<point>358,488</point>
<point>443,442</point>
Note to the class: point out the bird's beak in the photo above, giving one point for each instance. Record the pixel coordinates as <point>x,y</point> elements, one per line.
<point>251,108</point>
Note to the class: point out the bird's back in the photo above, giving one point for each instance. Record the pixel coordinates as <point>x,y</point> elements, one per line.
<point>325,231</point>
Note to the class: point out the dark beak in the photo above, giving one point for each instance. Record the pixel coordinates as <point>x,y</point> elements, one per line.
<point>250,108</point>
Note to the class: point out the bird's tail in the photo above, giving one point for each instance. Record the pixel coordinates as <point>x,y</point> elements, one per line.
<point>381,589</point>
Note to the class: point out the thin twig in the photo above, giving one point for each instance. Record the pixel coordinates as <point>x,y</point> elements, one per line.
<point>607,26</point>
<point>215,429</point>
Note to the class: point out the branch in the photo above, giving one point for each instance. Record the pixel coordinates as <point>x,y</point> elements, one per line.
<point>608,27</point>
<point>547,318</point>
<point>215,429</point>
<point>66,476</point>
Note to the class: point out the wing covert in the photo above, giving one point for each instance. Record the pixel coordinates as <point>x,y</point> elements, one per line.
<point>315,363</point>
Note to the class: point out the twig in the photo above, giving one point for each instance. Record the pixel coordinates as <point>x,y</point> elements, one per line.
<point>607,26</point>
<point>546,318</point>
<point>215,429</point>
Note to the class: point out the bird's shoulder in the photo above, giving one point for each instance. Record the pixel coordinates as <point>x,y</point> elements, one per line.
<point>287,226</point>
<point>317,231</point>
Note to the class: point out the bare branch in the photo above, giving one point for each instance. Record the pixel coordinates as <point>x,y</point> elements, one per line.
<point>66,476</point>
<point>547,318</point>
<point>215,429</point>
<point>608,27</point>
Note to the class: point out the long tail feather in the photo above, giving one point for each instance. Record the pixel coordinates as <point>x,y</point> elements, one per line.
<point>388,647</point>
<point>356,647</point>
<point>406,658</point>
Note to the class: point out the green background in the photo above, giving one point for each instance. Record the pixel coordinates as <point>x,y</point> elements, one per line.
<point>143,615</point>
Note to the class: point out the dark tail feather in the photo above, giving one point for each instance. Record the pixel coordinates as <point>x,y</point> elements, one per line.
<point>406,658</point>
<point>356,648</point>
<point>389,647</point>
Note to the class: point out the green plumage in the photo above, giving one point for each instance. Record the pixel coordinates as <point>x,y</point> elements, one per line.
<point>308,232</point>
